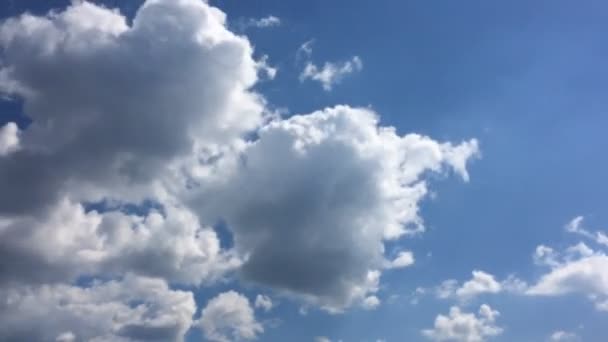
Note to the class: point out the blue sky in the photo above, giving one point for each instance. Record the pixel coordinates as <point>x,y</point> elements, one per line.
<point>526,80</point>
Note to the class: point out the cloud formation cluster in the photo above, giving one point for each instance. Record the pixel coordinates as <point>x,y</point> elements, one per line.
<point>158,113</point>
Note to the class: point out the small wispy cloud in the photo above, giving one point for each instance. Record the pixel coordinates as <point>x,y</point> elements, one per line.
<point>265,22</point>
<point>331,73</point>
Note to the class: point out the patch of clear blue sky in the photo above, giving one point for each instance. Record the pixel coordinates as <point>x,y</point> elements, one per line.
<point>527,78</point>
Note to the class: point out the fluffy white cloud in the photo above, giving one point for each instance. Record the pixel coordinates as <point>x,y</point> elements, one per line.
<point>330,73</point>
<point>403,259</point>
<point>578,269</point>
<point>114,105</point>
<point>263,302</point>
<point>65,242</point>
<point>312,200</point>
<point>480,283</point>
<point>134,308</point>
<point>587,275</point>
<point>465,327</point>
<point>9,138</point>
<point>229,317</point>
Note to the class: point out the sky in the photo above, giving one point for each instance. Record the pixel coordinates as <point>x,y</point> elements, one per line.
<point>386,171</point>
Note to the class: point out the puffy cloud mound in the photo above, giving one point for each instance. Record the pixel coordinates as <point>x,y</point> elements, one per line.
<point>229,317</point>
<point>112,104</point>
<point>66,241</point>
<point>312,200</point>
<point>134,308</point>
<point>460,326</point>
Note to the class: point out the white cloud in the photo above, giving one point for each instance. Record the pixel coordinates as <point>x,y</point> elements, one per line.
<point>229,317</point>
<point>330,73</point>
<point>9,138</point>
<point>305,50</point>
<point>587,275</point>
<point>465,327</point>
<point>115,106</point>
<point>563,336</point>
<point>576,226</point>
<point>371,302</point>
<point>403,259</point>
<point>481,282</point>
<point>263,66</point>
<point>134,308</point>
<point>311,202</point>
<point>269,21</point>
<point>65,241</point>
<point>545,256</point>
<point>263,302</point>
<point>157,108</point>
<point>578,269</point>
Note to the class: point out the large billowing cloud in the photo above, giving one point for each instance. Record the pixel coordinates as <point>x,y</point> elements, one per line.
<point>159,109</point>
<point>312,200</point>
<point>112,104</point>
<point>132,309</point>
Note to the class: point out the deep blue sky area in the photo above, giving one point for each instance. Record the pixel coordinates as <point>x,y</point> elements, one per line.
<point>528,79</point>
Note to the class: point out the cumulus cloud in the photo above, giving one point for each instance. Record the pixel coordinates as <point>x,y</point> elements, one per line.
<point>312,200</point>
<point>263,302</point>
<point>160,108</point>
<point>465,327</point>
<point>66,241</point>
<point>134,308</point>
<point>577,269</point>
<point>113,105</point>
<point>403,259</point>
<point>587,275</point>
<point>480,283</point>
<point>229,317</point>
<point>9,138</point>
<point>331,73</point>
